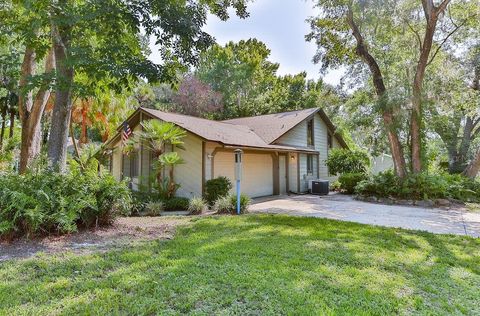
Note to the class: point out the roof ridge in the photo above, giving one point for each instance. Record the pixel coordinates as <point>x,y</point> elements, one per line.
<point>286,112</point>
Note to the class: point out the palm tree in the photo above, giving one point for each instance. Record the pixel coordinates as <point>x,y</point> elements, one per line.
<point>157,136</point>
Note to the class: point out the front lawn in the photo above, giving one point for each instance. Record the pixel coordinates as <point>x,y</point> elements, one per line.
<point>256,265</point>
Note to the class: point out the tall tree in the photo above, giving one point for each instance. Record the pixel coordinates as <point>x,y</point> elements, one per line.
<point>104,38</point>
<point>374,39</point>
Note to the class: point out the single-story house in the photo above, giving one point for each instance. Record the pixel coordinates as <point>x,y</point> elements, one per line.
<point>282,151</point>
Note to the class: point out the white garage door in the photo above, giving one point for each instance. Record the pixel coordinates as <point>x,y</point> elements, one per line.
<point>257,172</point>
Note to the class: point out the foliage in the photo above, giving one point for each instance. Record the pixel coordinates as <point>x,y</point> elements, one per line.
<point>421,186</point>
<point>342,160</point>
<point>45,202</point>
<point>217,188</point>
<point>156,136</point>
<point>223,205</point>
<point>228,204</point>
<point>264,259</point>
<point>176,204</point>
<point>348,181</point>
<point>197,206</point>
<point>196,98</point>
<point>153,208</point>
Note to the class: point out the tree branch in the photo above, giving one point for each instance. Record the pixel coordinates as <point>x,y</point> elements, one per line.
<point>446,38</point>
<point>416,34</point>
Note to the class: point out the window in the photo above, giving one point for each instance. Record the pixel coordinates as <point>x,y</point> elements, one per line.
<point>310,164</point>
<point>329,141</point>
<point>310,138</point>
<point>133,164</point>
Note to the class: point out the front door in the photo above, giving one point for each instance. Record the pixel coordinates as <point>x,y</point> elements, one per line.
<point>282,173</point>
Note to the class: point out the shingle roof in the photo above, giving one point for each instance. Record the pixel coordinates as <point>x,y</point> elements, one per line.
<point>272,126</point>
<point>222,132</point>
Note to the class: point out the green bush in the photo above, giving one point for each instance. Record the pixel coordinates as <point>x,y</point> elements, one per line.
<point>45,202</point>
<point>348,181</point>
<point>217,188</point>
<point>197,206</point>
<point>176,204</point>
<point>342,160</point>
<point>228,204</point>
<point>421,186</point>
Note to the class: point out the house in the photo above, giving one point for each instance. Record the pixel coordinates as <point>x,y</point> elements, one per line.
<point>282,151</point>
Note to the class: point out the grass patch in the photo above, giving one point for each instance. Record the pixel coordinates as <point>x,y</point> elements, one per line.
<point>256,264</point>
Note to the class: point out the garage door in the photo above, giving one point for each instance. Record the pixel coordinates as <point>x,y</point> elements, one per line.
<point>257,172</point>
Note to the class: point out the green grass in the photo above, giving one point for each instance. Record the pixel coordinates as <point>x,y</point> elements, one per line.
<point>256,265</point>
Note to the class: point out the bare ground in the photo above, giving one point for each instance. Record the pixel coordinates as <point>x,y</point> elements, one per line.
<point>124,232</point>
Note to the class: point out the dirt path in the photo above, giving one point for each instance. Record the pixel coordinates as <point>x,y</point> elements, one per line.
<point>124,232</point>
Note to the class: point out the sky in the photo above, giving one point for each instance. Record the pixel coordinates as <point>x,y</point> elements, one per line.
<point>281,25</point>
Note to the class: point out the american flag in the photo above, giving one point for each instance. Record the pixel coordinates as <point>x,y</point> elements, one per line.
<point>126,132</point>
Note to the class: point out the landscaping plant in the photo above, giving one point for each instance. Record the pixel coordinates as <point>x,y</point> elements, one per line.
<point>42,202</point>
<point>421,186</point>
<point>217,188</point>
<point>342,160</point>
<point>228,204</point>
<point>348,181</point>
<point>197,206</point>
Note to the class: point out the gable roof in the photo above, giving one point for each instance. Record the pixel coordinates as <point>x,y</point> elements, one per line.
<point>254,132</point>
<point>270,127</point>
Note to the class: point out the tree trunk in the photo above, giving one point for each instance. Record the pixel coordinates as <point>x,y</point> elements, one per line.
<point>83,134</point>
<point>62,108</point>
<point>4,121</point>
<point>387,114</point>
<point>31,112</point>
<point>474,167</point>
<point>12,123</point>
<point>431,15</point>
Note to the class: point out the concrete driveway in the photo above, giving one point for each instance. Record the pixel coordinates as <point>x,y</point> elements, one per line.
<point>345,208</point>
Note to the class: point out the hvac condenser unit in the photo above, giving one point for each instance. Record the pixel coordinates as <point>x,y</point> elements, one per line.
<point>320,187</point>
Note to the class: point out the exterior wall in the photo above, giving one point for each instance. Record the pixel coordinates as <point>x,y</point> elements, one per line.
<point>381,163</point>
<point>209,151</point>
<point>189,174</point>
<point>117,161</point>
<point>298,137</point>
<point>304,176</point>
<point>292,172</point>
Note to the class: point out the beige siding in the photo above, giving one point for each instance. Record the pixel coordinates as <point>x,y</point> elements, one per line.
<point>209,151</point>
<point>117,161</point>
<point>189,174</point>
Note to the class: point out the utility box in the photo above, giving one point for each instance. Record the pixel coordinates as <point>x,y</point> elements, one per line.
<point>320,187</point>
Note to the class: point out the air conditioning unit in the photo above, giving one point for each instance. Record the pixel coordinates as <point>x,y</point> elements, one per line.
<point>320,187</point>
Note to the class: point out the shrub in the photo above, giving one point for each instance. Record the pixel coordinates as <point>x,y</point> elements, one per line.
<point>223,205</point>
<point>421,186</point>
<point>244,203</point>
<point>342,160</point>
<point>176,204</point>
<point>228,204</point>
<point>348,181</point>
<point>197,206</point>
<point>46,202</point>
<point>216,188</point>
<point>153,208</point>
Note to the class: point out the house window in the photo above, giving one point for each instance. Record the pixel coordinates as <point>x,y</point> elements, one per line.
<point>329,141</point>
<point>133,164</point>
<point>310,133</point>
<point>310,164</point>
